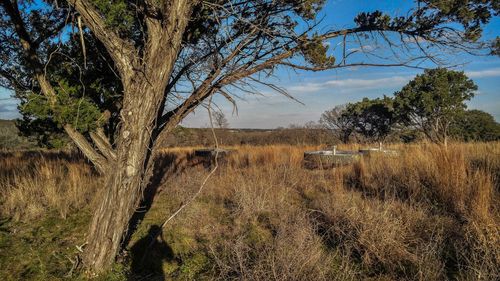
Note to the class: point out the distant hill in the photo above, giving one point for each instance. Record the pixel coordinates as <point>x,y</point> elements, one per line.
<point>6,122</point>
<point>9,136</point>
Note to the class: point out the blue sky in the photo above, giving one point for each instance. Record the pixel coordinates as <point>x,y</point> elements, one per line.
<point>323,90</point>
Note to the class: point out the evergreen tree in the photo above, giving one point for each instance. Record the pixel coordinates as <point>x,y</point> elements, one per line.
<point>432,101</point>
<point>475,125</point>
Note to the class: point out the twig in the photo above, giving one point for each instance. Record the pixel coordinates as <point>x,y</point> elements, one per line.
<point>75,265</point>
<point>82,41</point>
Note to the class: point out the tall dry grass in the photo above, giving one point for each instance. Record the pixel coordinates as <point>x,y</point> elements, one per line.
<point>429,214</point>
<point>458,184</point>
<point>35,183</point>
<point>440,177</point>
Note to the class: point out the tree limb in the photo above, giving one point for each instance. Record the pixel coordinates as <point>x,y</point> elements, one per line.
<point>120,50</point>
<point>31,55</point>
<point>97,159</point>
<point>102,143</point>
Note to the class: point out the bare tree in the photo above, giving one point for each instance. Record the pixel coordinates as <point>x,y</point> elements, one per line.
<point>173,55</point>
<point>220,119</point>
<point>335,120</point>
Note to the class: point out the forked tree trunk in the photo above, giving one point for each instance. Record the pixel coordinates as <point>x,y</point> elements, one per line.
<point>144,82</point>
<point>144,75</point>
<point>125,179</point>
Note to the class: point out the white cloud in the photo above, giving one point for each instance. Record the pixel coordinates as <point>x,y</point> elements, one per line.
<point>347,85</point>
<point>369,83</point>
<point>493,72</point>
<point>307,87</point>
<point>352,84</point>
<point>363,48</point>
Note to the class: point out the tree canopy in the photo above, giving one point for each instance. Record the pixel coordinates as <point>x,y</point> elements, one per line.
<point>87,83</point>
<point>433,100</point>
<point>337,121</point>
<point>373,119</point>
<point>88,95</point>
<point>475,125</point>
<point>433,104</point>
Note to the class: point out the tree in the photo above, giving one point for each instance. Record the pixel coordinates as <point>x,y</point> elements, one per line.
<point>433,100</point>
<point>171,56</point>
<point>86,91</point>
<point>220,119</point>
<point>475,125</point>
<point>373,119</point>
<point>340,124</point>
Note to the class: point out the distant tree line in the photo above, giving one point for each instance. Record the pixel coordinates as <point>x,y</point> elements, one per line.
<point>431,106</point>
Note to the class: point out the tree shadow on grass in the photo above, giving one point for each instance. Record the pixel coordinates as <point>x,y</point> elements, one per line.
<point>148,255</point>
<point>165,165</point>
<point>147,259</point>
<point>161,168</point>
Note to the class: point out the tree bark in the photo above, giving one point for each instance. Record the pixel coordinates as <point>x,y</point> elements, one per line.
<point>125,178</point>
<point>110,221</point>
<point>129,169</point>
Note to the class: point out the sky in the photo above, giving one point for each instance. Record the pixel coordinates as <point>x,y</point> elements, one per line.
<point>320,91</point>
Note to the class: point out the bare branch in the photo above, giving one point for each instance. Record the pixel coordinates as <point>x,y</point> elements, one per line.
<point>102,143</point>
<point>230,99</point>
<point>97,159</point>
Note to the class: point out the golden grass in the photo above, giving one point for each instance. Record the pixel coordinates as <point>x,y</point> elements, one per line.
<point>32,185</point>
<point>429,214</point>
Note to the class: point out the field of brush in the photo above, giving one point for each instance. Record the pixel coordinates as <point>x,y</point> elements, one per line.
<point>429,214</point>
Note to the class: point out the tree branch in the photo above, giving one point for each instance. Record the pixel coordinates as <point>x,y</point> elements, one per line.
<point>29,49</point>
<point>49,33</point>
<point>121,51</point>
<point>102,143</point>
<point>97,159</point>
<point>31,55</point>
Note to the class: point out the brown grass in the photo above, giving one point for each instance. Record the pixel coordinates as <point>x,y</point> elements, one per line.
<point>32,184</point>
<point>429,214</point>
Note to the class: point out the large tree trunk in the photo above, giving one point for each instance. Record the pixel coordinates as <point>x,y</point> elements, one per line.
<point>130,172</point>
<point>110,220</point>
<point>145,74</point>
<point>125,179</point>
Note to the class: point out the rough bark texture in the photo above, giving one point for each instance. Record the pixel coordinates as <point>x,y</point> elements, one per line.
<point>128,172</point>
<point>124,182</point>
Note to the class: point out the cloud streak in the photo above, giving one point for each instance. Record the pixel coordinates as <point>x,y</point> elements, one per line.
<point>349,85</point>
<point>352,84</point>
<point>493,72</point>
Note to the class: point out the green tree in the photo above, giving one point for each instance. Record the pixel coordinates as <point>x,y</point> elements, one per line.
<point>84,92</point>
<point>432,101</point>
<point>172,55</point>
<point>475,125</point>
<point>371,118</point>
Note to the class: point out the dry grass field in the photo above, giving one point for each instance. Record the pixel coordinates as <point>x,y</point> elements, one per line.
<point>429,214</point>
